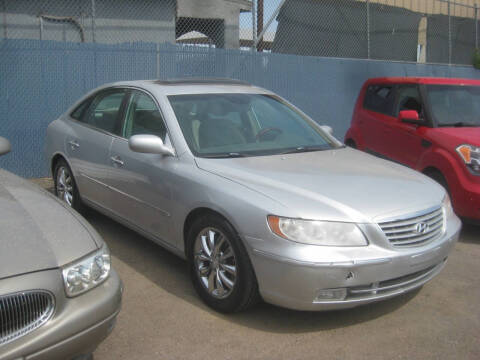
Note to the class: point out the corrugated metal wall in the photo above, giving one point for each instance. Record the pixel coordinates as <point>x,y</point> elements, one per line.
<point>39,80</point>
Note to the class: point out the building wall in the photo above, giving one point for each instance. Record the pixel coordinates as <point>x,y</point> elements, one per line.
<point>433,6</point>
<point>227,10</point>
<point>108,21</point>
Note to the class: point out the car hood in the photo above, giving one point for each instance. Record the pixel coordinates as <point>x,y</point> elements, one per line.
<point>335,185</point>
<point>37,231</point>
<point>458,135</point>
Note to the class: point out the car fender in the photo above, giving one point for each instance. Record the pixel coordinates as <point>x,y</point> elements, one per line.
<point>354,133</point>
<point>445,162</point>
<point>227,198</point>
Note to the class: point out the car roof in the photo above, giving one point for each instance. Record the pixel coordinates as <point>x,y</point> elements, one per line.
<point>423,80</point>
<point>193,86</point>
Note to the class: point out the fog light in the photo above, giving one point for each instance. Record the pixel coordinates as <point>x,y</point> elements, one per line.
<point>331,294</point>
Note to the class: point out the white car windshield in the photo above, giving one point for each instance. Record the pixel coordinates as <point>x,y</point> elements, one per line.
<point>234,125</point>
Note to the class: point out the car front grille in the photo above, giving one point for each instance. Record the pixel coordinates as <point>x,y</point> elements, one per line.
<point>23,312</point>
<point>416,230</point>
<point>396,285</point>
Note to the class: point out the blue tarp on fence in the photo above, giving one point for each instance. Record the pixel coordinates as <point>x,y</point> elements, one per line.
<point>39,80</point>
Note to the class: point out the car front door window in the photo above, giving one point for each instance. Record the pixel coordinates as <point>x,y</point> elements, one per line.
<point>409,99</point>
<point>143,117</point>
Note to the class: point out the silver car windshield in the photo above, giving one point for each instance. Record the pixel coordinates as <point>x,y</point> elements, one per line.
<point>454,105</point>
<point>234,125</point>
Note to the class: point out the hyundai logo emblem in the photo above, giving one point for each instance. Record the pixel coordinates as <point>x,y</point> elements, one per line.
<point>421,228</point>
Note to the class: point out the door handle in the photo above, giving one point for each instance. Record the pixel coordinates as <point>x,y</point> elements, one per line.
<point>74,144</point>
<point>117,160</point>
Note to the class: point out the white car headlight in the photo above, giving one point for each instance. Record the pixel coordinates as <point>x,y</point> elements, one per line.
<point>86,273</point>
<point>313,232</point>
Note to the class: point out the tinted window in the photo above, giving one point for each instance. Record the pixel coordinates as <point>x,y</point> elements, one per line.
<point>379,98</point>
<point>409,99</point>
<point>143,117</point>
<point>245,124</point>
<point>104,111</point>
<point>78,112</point>
<point>454,105</point>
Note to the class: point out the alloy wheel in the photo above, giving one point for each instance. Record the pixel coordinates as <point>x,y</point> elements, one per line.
<point>65,185</point>
<point>215,262</point>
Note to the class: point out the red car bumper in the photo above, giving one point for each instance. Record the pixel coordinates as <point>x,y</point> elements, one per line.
<point>466,199</point>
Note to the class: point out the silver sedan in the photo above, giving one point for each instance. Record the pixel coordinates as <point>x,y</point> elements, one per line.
<point>260,199</point>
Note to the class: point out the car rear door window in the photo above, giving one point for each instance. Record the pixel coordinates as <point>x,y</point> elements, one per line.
<point>380,98</point>
<point>104,112</point>
<point>143,117</point>
<point>80,109</point>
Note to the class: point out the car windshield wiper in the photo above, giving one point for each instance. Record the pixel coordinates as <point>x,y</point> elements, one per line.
<point>457,124</point>
<point>300,149</point>
<point>225,155</point>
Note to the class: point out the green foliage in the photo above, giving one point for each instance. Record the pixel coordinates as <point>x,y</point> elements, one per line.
<point>476,59</point>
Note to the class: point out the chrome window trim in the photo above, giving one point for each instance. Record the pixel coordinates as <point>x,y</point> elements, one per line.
<point>116,136</point>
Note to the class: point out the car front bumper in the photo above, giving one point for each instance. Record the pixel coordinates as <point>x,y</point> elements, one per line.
<point>468,202</point>
<point>78,325</point>
<point>301,276</point>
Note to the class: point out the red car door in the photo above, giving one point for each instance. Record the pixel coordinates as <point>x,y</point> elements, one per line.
<point>403,141</point>
<point>376,117</point>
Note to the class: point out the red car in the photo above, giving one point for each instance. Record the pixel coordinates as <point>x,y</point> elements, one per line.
<point>429,124</point>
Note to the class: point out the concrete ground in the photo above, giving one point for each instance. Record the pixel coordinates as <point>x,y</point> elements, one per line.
<point>162,317</point>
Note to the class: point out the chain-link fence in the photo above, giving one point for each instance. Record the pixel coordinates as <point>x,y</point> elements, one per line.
<point>433,31</point>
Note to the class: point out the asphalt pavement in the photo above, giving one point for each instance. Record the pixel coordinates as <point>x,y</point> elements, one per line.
<point>162,317</point>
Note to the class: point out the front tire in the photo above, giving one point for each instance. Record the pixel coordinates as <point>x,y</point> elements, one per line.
<point>220,268</point>
<point>439,178</point>
<point>65,186</point>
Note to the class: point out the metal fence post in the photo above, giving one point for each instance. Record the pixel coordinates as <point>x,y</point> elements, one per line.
<point>476,26</point>
<point>157,50</point>
<point>254,27</point>
<point>5,35</point>
<point>267,25</point>
<point>368,29</point>
<point>40,22</point>
<point>259,23</point>
<point>93,21</point>
<point>449,34</point>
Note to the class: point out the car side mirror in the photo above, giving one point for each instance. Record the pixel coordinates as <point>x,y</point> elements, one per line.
<point>327,129</point>
<point>409,116</point>
<point>149,144</point>
<point>5,146</point>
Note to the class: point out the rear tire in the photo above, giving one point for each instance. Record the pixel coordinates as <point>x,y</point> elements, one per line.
<point>65,186</point>
<point>351,143</point>
<point>220,268</point>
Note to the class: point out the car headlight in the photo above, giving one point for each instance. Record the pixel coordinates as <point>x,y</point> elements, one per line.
<point>85,274</point>
<point>471,157</point>
<point>313,232</point>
